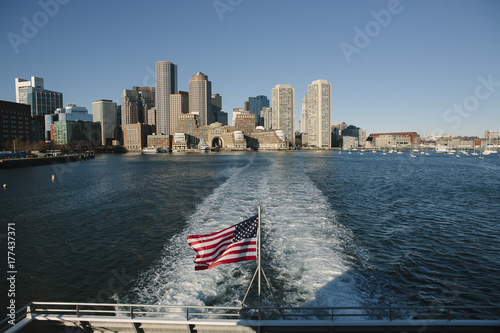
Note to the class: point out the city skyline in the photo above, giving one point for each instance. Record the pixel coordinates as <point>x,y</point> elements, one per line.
<point>430,67</point>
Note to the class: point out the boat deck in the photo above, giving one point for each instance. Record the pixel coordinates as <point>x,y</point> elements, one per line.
<point>95,317</point>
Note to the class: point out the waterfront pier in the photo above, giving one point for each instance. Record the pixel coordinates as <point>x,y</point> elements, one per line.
<point>9,163</point>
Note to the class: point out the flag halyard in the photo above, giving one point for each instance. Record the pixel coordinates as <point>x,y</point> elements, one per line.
<point>233,244</point>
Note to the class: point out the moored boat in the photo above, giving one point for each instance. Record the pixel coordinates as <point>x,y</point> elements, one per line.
<point>150,150</point>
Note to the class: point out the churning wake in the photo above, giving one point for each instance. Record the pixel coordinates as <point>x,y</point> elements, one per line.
<point>303,245</point>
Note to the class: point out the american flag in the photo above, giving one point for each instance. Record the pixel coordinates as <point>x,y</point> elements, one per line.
<point>233,244</point>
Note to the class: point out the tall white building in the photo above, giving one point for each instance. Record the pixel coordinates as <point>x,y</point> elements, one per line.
<point>104,111</point>
<point>22,84</point>
<point>166,85</point>
<point>283,110</point>
<point>200,97</point>
<point>41,100</point>
<point>319,114</point>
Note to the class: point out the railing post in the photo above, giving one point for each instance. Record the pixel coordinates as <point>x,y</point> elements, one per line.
<point>187,313</point>
<point>390,314</point>
<point>78,310</point>
<point>131,312</point>
<point>332,314</point>
<point>28,311</point>
<point>449,313</point>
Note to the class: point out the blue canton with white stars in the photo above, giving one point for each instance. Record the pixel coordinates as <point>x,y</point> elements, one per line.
<point>246,229</point>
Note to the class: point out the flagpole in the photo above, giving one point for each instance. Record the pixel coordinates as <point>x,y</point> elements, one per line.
<point>259,255</point>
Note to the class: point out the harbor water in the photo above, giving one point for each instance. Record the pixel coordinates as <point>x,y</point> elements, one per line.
<point>338,229</point>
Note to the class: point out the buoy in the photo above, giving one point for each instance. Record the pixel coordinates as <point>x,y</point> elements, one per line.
<point>53,177</point>
<point>4,185</point>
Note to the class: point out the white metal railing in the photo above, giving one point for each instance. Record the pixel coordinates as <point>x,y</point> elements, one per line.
<point>138,312</point>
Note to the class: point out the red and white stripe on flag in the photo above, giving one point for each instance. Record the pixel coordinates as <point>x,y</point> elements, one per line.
<point>233,244</point>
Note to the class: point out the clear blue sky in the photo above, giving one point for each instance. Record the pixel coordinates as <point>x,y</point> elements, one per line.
<point>407,74</point>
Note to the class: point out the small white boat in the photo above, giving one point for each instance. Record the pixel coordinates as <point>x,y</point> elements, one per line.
<point>203,146</point>
<point>150,150</point>
<point>441,150</point>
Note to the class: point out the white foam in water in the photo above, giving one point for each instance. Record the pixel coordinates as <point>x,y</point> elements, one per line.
<point>302,245</point>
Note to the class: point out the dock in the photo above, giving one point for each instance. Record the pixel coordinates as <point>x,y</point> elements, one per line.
<point>9,163</point>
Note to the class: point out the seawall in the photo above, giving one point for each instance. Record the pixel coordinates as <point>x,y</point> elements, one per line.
<point>36,161</point>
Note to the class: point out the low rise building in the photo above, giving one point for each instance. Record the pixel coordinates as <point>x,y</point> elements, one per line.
<point>393,140</point>
<point>135,136</point>
<point>160,141</point>
<point>267,140</point>
<point>69,113</point>
<point>349,142</point>
<point>14,121</point>
<point>244,122</point>
<point>459,142</point>
<point>356,132</point>
<point>68,131</point>
<point>181,142</point>
<point>491,135</point>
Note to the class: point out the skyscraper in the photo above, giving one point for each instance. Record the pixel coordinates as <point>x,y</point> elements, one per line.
<point>319,114</point>
<point>146,100</point>
<point>219,115</point>
<point>135,104</point>
<point>179,104</point>
<point>42,101</point>
<point>283,110</point>
<point>255,106</point>
<point>166,84</point>
<point>104,111</point>
<point>216,103</point>
<point>266,115</point>
<point>130,107</point>
<point>200,97</point>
